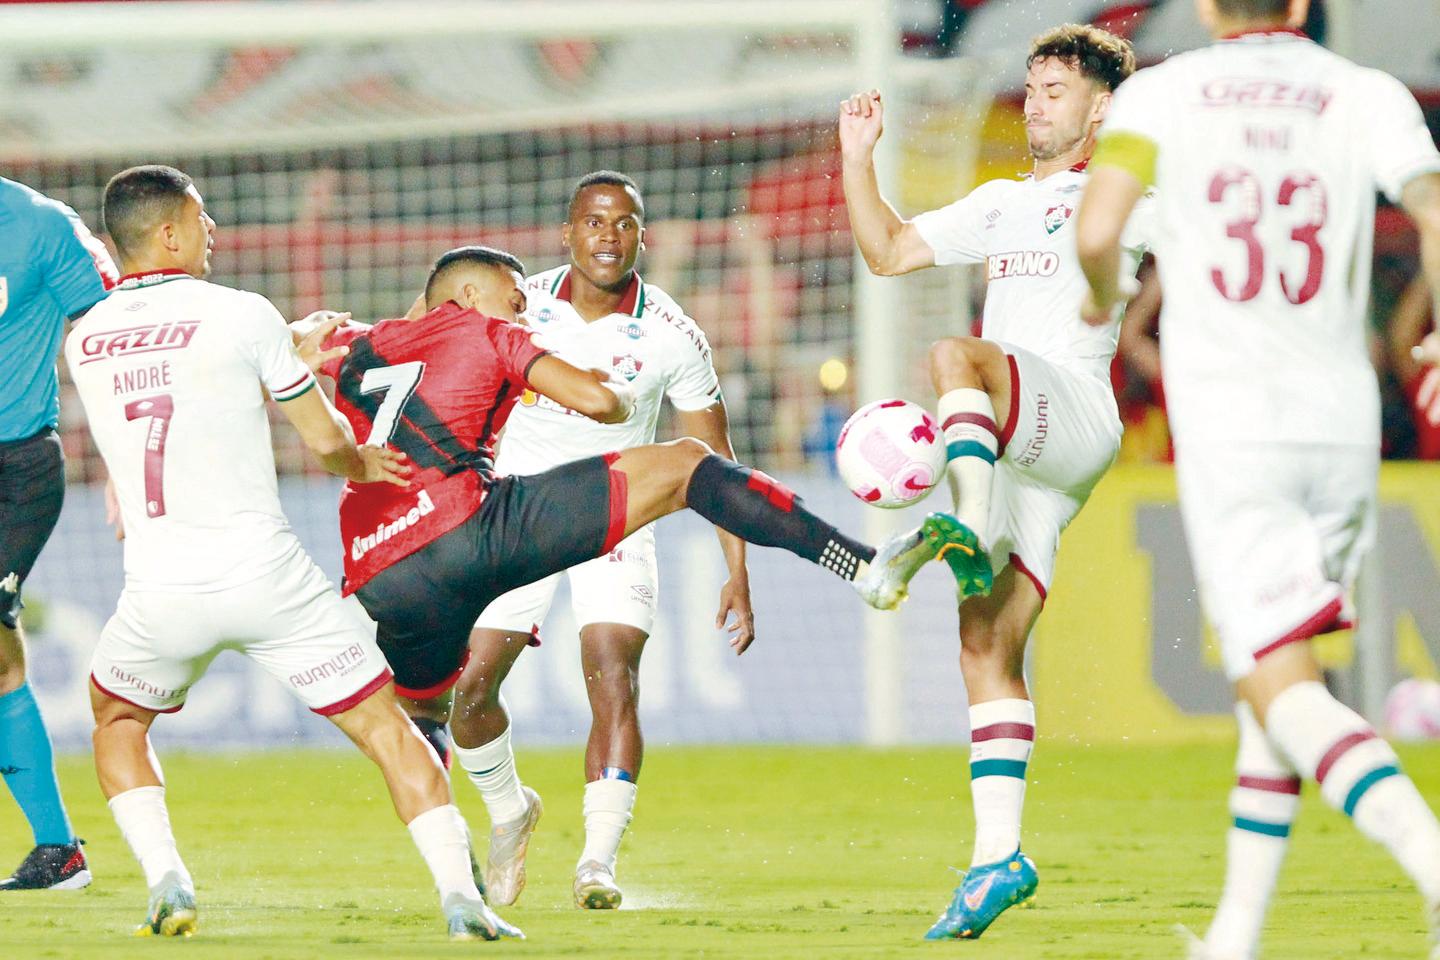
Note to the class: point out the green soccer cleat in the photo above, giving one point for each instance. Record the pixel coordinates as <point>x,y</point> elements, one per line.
<point>960,548</point>
<point>467,919</point>
<point>986,892</point>
<point>172,910</point>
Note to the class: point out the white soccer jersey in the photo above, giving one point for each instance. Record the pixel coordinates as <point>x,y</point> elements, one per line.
<point>1270,150</point>
<point>1021,230</point>
<point>649,342</point>
<point>170,371</point>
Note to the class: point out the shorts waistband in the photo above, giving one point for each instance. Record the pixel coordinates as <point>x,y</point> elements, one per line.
<point>44,434</point>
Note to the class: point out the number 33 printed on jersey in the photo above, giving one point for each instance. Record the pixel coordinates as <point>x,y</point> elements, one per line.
<point>1240,190</point>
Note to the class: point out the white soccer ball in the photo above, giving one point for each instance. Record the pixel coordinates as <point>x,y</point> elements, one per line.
<point>1412,710</point>
<point>891,453</point>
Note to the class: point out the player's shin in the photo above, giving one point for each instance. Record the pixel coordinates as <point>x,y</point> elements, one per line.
<point>764,511</point>
<point>1359,774</point>
<point>444,842</point>
<point>144,822</point>
<point>28,763</point>
<point>972,442</point>
<point>1263,806</point>
<point>1002,736</point>
<point>491,767</point>
<point>608,807</point>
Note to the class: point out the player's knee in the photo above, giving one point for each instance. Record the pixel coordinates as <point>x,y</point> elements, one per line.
<point>951,355</point>
<point>690,451</point>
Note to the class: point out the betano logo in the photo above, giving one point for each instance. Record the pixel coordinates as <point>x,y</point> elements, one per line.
<point>424,506</point>
<point>132,340</point>
<point>1021,263</point>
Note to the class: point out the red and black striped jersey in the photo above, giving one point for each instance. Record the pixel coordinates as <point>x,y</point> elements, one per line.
<point>437,389</point>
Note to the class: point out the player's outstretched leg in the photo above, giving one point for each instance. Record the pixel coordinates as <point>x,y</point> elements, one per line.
<point>56,862</point>
<point>420,790</point>
<point>972,380</point>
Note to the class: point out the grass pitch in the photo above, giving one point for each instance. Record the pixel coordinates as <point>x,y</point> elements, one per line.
<point>750,852</point>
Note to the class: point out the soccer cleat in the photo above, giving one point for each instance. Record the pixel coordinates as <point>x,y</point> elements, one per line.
<point>986,892</point>
<point>595,887</point>
<point>51,866</point>
<point>468,919</point>
<point>886,579</point>
<point>960,548</point>
<point>172,910</point>
<point>505,865</point>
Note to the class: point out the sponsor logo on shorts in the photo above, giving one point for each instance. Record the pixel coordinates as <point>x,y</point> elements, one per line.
<point>1022,263</point>
<point>642,593</point>
<point>132,340</point>
<point>1036,446</point>
<point>345,662</point>
<point>144,686</point>
<point>424,506</point>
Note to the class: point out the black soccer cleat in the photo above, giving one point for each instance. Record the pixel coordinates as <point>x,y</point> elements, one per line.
<point>51,866</point>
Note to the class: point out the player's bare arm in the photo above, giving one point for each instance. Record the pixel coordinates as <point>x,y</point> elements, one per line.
<point>590,392</point>
<point>1109,198</point>
<point>712,425</point>
<point>889,244</point>
<point>1421,199</point>
<point>328,436</point>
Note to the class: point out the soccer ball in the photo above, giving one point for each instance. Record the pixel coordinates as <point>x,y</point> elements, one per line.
<point>1412,710</point>
<point>891,453</point>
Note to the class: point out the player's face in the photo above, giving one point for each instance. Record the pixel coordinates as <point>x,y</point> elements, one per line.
<point>194,234</point>
<point>605,235</point>
<point>496,292</point>
<point>1062,107</point>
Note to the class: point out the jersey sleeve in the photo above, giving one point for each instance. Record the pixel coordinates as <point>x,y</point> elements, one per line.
<point>1140,229</point>
<point>1133,131</point>
<point>1399,143</point>
<point>340,337</point>
<point>272,351</point>
<point>518,347</point>
<point>955,232</point>
<point>692,384</point>
<point>78,269</point>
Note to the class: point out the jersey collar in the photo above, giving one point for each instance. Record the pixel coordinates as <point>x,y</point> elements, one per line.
<point>1275,33</point>
<point>632,304</point>
<point>149,278</point>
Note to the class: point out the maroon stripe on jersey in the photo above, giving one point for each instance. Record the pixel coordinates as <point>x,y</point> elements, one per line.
<point>1338,750</point>
<point>115,696</point>
<point>1020,567</point>
<point>1290,785</point>
<point>1008,430</point>
<point>619,504</point>
<point>293,385</point>
<point>1003,731</point>
<point>979,419</point>
<point>1326,619</point>
<point>356,698</point>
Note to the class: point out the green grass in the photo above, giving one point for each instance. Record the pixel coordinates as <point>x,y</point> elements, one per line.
<point>751,852</point>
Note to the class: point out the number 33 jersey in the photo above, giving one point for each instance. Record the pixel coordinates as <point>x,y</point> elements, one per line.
<point>1269,150</point>
<point>437,389</point>
<point>170,371</point>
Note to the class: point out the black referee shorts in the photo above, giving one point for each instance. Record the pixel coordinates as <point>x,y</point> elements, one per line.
<point>32,490</point>
<point>526,529</point>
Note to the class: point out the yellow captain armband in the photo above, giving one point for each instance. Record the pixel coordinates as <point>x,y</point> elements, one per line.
<point>1132,152</point>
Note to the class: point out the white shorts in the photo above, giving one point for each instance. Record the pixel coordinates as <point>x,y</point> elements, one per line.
<point>620,587</point>
<point>1276,535</point>
<point>1060,435</point>
<point>292,622</point>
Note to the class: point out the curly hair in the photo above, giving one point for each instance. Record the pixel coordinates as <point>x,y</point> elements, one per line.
<point>1098,54</point>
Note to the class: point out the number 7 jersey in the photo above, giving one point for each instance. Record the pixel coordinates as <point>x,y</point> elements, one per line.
<point>1269,150</point>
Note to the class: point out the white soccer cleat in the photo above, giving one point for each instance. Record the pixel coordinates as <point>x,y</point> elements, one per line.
<point>505,864</point>
<point>595,887</point>
<point>172,910</point>
<point>467,919</point>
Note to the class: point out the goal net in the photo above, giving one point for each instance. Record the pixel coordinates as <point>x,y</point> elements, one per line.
<point>342,147</point>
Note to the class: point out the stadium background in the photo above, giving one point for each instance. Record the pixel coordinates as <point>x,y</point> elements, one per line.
<point>341,146</point>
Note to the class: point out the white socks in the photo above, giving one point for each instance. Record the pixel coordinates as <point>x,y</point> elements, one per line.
<point>1263,805</point>
<point>972,441</point>
<point>444,841</point>
<point>491,767</point>
<point>1002,734</point>
<point>608,803</point>
<point>145,824</point>
<point>1359,774</point>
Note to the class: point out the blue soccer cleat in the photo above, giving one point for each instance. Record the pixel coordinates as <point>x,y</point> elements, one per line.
<point>985,893</point>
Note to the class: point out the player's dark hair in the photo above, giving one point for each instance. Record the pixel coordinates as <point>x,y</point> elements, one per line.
<point>612,178</point>
<point>1254,9</point>
<point>1098,54</point>
<point>472,256</point>
<point>139,198</point>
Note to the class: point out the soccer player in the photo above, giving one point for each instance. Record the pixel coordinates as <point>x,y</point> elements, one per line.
<point>51,269</point>
<point>173,372</point>
<point>1028,413</point>
<point>1267,151</point>
<point>597,312</point>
